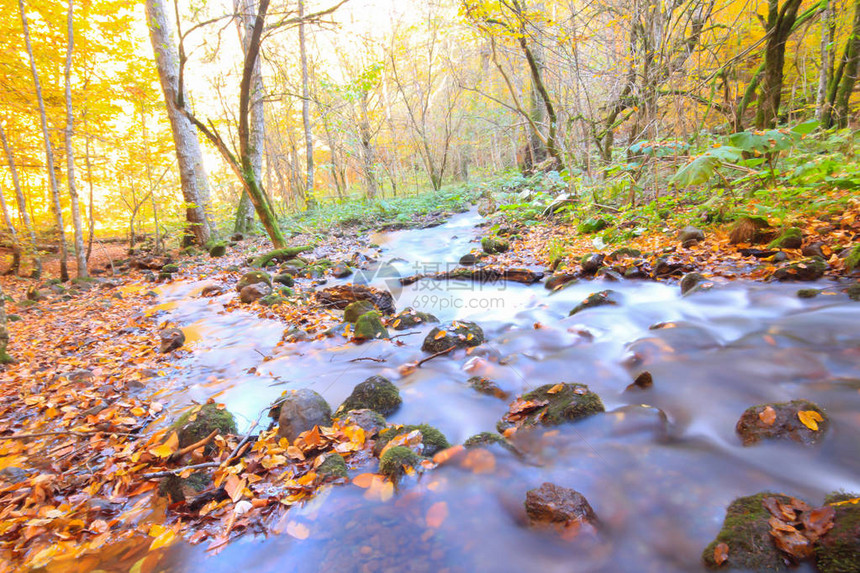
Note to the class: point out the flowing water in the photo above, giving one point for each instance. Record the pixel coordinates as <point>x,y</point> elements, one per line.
<point>659,468</point>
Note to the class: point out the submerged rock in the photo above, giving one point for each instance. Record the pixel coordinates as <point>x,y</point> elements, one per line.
<point>410,318</point>
<point>200,421</point>
<point>368,420</point>
<point>808,293</point>
<point>354,310</point>
<point>254,292</point>
<point>369,327</point>
<point>805,270</point>
<point>838,551</point>
<point>602,298</point>
<point>551,405</point>
<point>487,386</point>
<point>300,411</point>
<point>171,339</point>
<point>745,540</point>
<point>798,420</point>
<point>432,440</point>
<point>643,381</point>
<point>332,468</point>
<point>554,504</point>
<point>395,461</point>
<point>559,281</point>
<point>487,439</point>
<point>376,393</point>
<point>691,282</point>
<point>341,296</point>
<point>458,334</point>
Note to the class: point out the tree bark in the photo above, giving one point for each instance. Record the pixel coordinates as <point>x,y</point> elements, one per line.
<point>821,102</point>
<point>32,250</point>
<point>13,234</point>
<point>844,85</point>
<point>306,114</point>
<point>4,333</point>
<point>195,184</point>
<point>779,25</point>
<point>80,253</point>
<point>257,135</point>
<point>49,152</point>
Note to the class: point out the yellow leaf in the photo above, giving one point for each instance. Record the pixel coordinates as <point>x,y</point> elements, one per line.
<point>167,448</point>
<point>298,530</point>
<point>439,335</point>
<point>810,419</point>
<point>164,540</point>
<point>556,389</point>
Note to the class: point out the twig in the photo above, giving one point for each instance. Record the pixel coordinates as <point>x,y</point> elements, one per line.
<point>432,356</point>
<point>370,358</point>
<point>199,444</point>
<point>64,433</point>
<point>175,471</point>
<point>401,335</point>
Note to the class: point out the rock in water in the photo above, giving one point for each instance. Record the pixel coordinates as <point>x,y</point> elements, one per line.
<point>805,270</point>
<point>551,405</point>
<point>432,440</point>
<point>591,263</point>
<point>254,292</point>
<point>355,309</point>
<point>301,410</point>
<point>838,551</point>
<point>458,334</point>
<point>376,393</point>
<point>550,504</point>
<point>253,277</point>
<point>410,318</point>
<point>341,296</point>
<point>394,462</point>
<point>690,282</point>
<point>200,421</point>
<point>171,339</point>
<point>332,468</point>
<point>798,420</point>
<point>369,327</point>
<point>341,270</point>
<point>602,298</point>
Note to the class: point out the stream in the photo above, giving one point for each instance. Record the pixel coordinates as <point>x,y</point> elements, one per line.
<point>659,468</point>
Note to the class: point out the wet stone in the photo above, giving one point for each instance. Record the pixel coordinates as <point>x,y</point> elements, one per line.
<point>805,270</point>
<point>411,318</point>
<point>692,282</point>
<point>560,280</point>
<point>643,381</point>
<point>285,279</point>
<point>492,246</point>
<point>341,270</point>
<point>838,551</point>
<point>254,292</point>
<point>602,298</point>
<point>469,259</point>
<point>376,393</point>
<point>171,339</point>
<point>432,440</point>
<point>690,235</point>
<point>368,420</point>
<point>591,263</point>
<point>808,293</point>
<point>300,411</point>
<point>332,468</point>
<point>199,422</point>
<point>395,461</point>
<point>783,421</point>
<point>254,277</point>
<point>355,309</point>
<point>551,504</point>
<point>486,386</point>
<point>791,238</point>
<point>369,327</point>
<point>458,334</point>
<point>551,405</point>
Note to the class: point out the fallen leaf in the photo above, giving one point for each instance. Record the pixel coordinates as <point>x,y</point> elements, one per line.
<point>721,553</point>
<point>440,335</point>
<point>298,530</point>
<point>810,419</point>
<point>364,481</point>
<point>556,389</point>
<point>767,416</point>
<point>437,514</point>
<point>167,448</point>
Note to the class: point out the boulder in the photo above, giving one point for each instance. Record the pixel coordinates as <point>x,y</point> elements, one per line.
<point>799,420</point>
<point>814,250</point>
<point>559,281</point>
<point>469,259</point>
<point>643,381</point>
<point>368,420</point>
<point>852,259</point>
<point>551,405</point>
<point>394,462</point>
<point>285,279</point>
<point>808,292</point>
<point>171,339</point>
<point>591,225</point>
<point>341,271</point>
<point>750,230</point>
<point>200,421</point>
<point>254,292</point>
<point>411,318</point>
<point>458,334</point>
<point>254,277</point>
<point>300,411</point>
<point>369,327</point>
<point>341,296</point>
<point>488,439</point>
<point>690,234</point>
<point>602,298</point>
<point>355,309</point>
<point>212,290</point>
<point>745,540</point>
<point>271,299</point>
<point>805,270</point>
<point>486,386</point>
<point>692,282</point>
<point>838,550</point>
<point>218,250</point>
<point>791,238</point>
<point>376,393</point>
<point>492,246</point>
<point>332,468</point>
<point>278,256</point>
<point>591,263</point>
<point>432,440</point>
<point>554,504</point>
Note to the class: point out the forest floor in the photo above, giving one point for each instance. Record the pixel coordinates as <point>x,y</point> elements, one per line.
<point>84,448</point>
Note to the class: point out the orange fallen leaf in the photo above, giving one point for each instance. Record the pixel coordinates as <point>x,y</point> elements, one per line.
<point>439,335</point>
<point>437,514</point>
<point>167,448</point>
<point>447,454</point>
<point>810,419</point>
<point>721,553</point>
<point>234,487</point>
<point>767,416</point>
<point>364,480</point>
<point>556,389</point>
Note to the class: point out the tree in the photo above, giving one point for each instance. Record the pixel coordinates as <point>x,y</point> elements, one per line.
<point>195,184</point>
<point>80,253</point>
<point>306,112</point>
<point>842,84</point>
<point>4,333</point>
<point>49,153</point>
<point>21,203</point>
<point>778,27</point>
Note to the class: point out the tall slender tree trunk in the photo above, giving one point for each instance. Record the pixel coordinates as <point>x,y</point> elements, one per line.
<point>80,253</point>
<point>367,151</point>
<point>780,22</point>
<point>257,136</point>
<point>91,220</point>
<point>31,249</point>
<point>195,184</point>
<point>844,81</point>
<point>306,114</point>
<point>821,102</point>
<point>13,235</point>
<point>4,333</point>
<point>49,152</point>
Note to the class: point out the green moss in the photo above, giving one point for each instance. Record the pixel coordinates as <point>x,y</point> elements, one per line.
<point>394,462</point>
<point>333,467</point>
<point>747,533</point>
<point>592,225</point>
<point>5,358</point>
<point>218,249</point>
<point>200,421</point>
<point>791,238</point>
<point>13,317</point>
<point>808,293</point>
<point>354,310</point>
<point>376,393</point>
<point>487,439</point>
<point>492,246</point>
<point>602,298</point>
<point>410,318</point>
<point>433,440</point>
<point>852,261</point>
<point>253,277</point>
<point>170,268</point>
<point>369,327</point>
<point>285,279</point>
<point>272,300</point>
<point>853,292</point>
<point>839,550</point>
<point>279,256</point>
<point>190,251</point>
<point>459,334</point>
<point>573,402</point>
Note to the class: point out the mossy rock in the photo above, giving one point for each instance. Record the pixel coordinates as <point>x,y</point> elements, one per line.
<point>279,256</point>
<point>170,268</point>
<point>853,292</point>
<point>692,282</point>
<point>746,532</point>
<point>272,300</point>
<point>252,278</point>
<point>13,317</point>
<point>411,318</point>
<point>218,250</point>
<point>852,261</point>
<point>354,310</point>
<point>200,421</point>
<point>432,439</point>
<point>785,424</point>
<point>285,279</point>
<point>332,468</point>
<point>286,292</point>
<point>492,246</point>
<point>791,238</point>
<point>459,334</point>
<point>190,251</point>
<point>369,327</point>
<point>177,488</point>
<point>808,293</point>
<point>592,225</point>
<point>569,403</point>
<point>602,298</point>
<point>488,439</point>
<point>394,462</point>
<point>486,386</point>
<point>838,551</point>
<point>368,420</point>
<point>376,393</point>
<point>624,252</point>
<point>805,270</point>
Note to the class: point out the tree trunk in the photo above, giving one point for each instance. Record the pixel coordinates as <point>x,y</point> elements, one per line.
<point>4,333</point>
<point>49,152</point>
<point>367,150</point>
<point>821,102</point>
<point>848,77</point>
<point>195,184</point>
<point>780,22</point>
<point>257,136</point>
<point>80,253</point>
<point>91,220</point>
<point>13,234</point>
<point>306,114</point>
<point>31,249</point>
